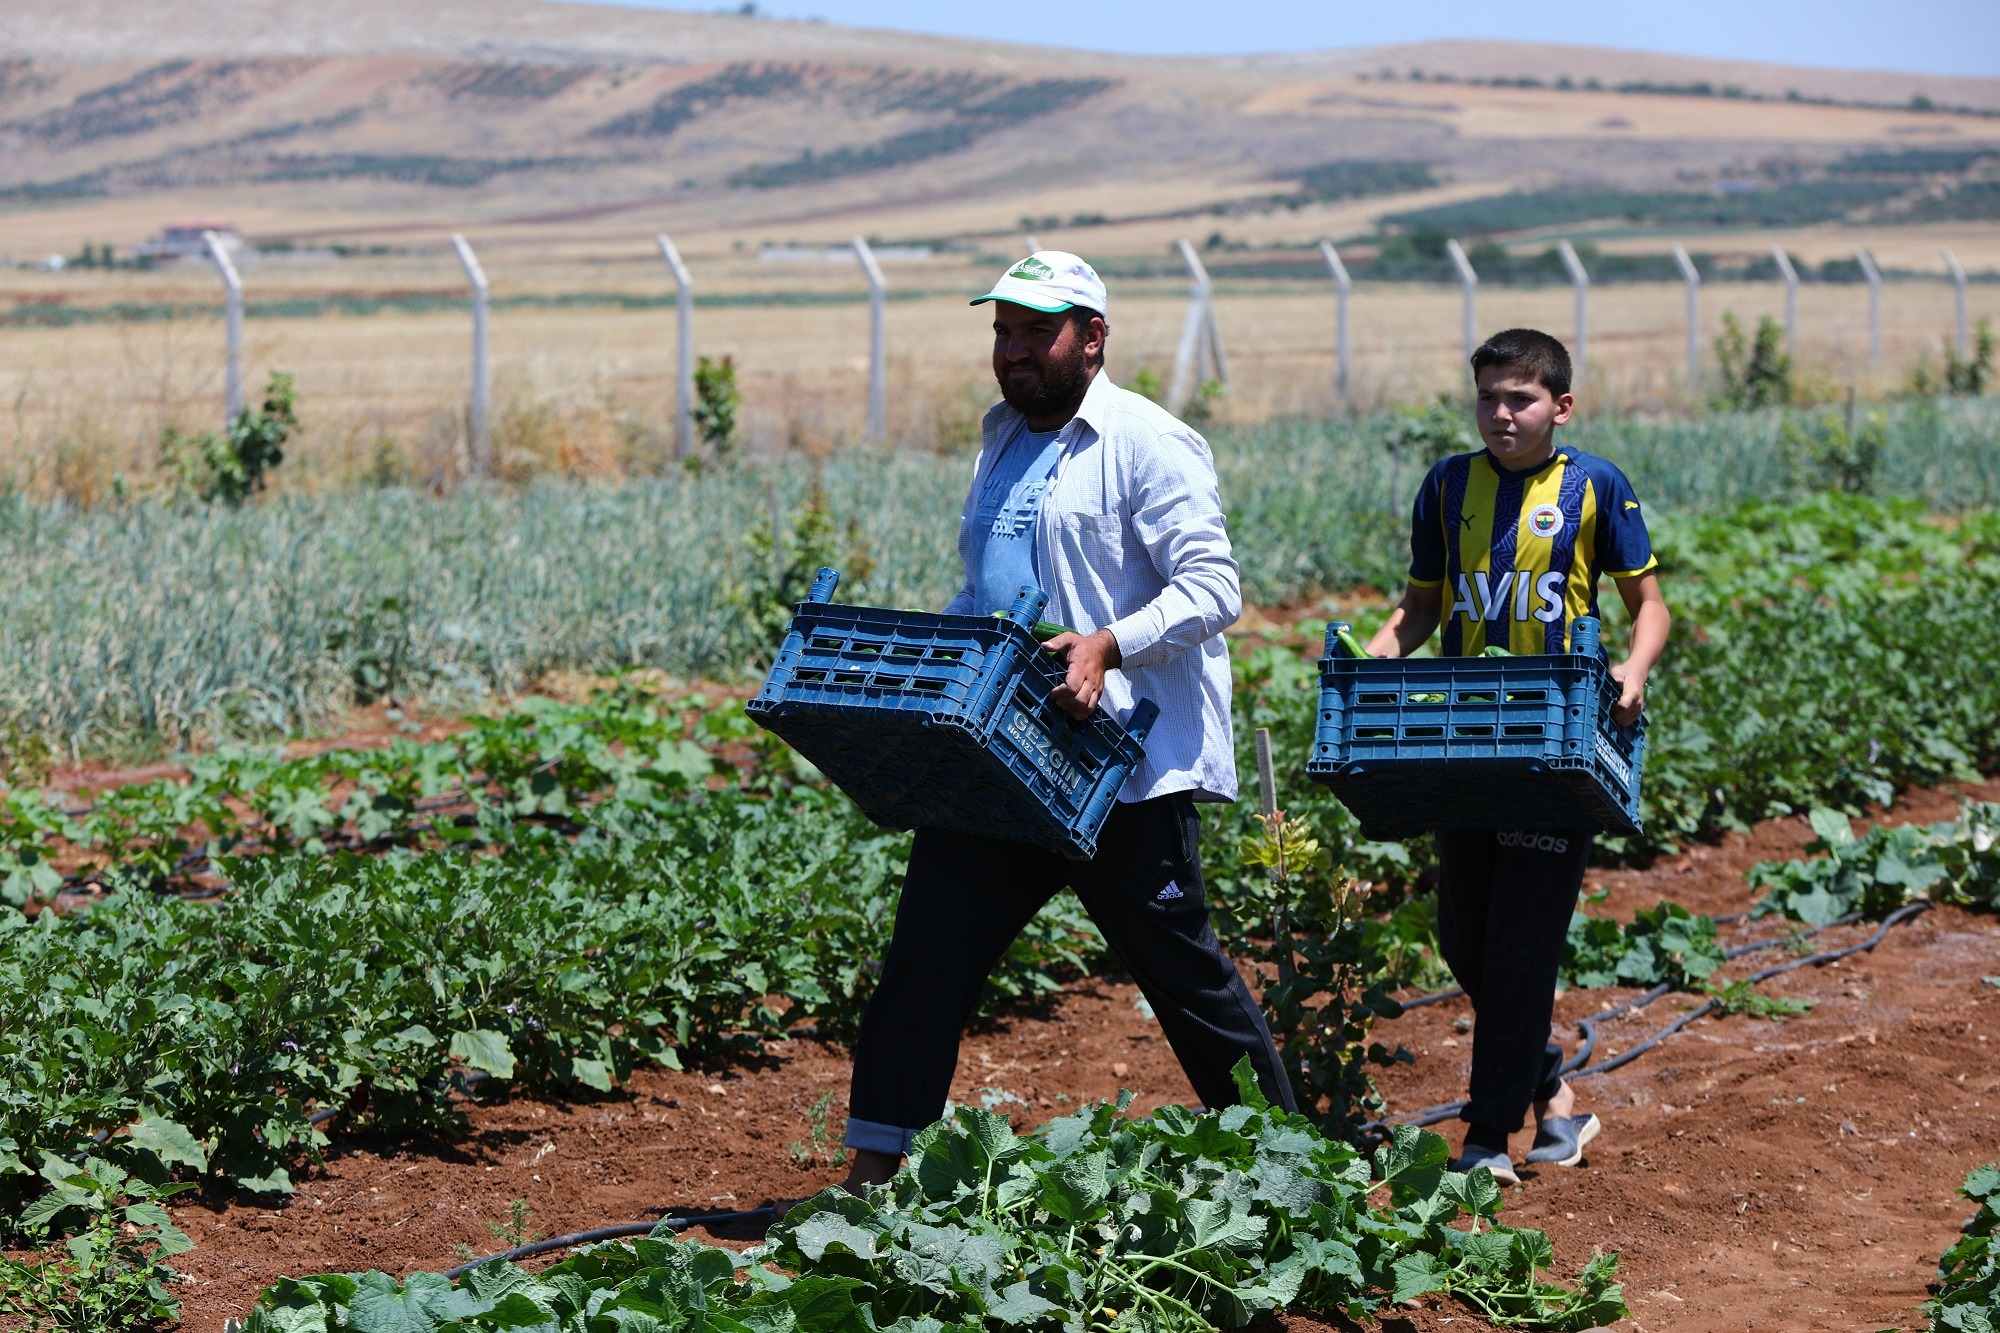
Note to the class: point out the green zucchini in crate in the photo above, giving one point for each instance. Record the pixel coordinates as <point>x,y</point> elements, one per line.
<point>1412,744</point>
<point>942,721</point>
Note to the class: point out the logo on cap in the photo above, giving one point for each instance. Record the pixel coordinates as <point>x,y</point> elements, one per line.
<point>1545,521</point>
<point>1034,270</point>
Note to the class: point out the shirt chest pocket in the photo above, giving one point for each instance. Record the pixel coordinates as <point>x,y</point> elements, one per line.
<point>1094,541</point>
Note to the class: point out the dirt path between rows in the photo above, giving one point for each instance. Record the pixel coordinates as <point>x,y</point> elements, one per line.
<point>1792,1175</point>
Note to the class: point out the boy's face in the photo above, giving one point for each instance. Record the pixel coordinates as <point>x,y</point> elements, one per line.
<point>1518,416</point>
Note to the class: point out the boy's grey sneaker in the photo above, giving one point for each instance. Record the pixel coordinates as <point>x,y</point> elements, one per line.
<point>1560,1140</point>
<point>1498,1163</point>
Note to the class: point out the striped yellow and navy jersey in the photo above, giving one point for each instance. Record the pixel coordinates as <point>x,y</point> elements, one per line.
<point>1519,554</point>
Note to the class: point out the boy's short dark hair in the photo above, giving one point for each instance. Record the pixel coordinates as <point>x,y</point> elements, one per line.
<point>1530,350</point>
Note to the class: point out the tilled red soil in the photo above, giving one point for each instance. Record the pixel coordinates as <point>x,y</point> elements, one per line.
<point>1792,1175</point>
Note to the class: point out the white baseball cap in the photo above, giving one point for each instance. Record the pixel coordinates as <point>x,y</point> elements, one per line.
<point>1050,280</point>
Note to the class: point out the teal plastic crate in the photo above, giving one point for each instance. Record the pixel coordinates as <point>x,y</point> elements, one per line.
<point>935,721</point>
<point>1415,744</point>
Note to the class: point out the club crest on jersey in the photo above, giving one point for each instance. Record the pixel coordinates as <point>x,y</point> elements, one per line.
<point>1545,520</point>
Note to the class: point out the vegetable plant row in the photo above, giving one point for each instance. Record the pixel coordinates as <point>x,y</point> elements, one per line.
<point>1180,1223</point>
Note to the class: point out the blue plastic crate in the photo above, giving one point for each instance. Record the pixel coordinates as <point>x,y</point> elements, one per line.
<point>1413,744</point>
<point>936,721</point>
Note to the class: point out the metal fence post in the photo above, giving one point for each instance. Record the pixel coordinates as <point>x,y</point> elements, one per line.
<point>1692,278</point>
<point>1958,280</point>
<point>1469,281</point>
<point>878,341</point>
<point>1346,288</point>
<point>684,354</point>
<point>1791,276</point>
<point>1580,279</point>
<point>1200,349</point>
<point>482,371</point>
<point>232,286</point>
<point>1874,276</point>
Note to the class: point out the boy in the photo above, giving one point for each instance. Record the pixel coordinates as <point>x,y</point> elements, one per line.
<point>1506,548</point>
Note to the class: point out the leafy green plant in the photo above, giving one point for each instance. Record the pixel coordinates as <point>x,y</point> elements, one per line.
<point>822,1143</point>
<point>716,403</point>
<point>1833,454</point>
<point>1967,1298</point>
<point>1201,408</point>
<point>1664,943</point>
<point>1147,385</point>
<point>111,1273</point>
<point>1326,985</point>
<point>1956,860</point>
<point>1756,373</point>
<point>1180,1223</point>
<point>230,467</point>
<point>784,563</point>
<point>1963,376</point>
<point>1743,997</point>
<point>514,1232</point>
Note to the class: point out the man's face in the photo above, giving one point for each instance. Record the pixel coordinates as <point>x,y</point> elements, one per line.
<point>1518,416</point>
<point>1043,361</point>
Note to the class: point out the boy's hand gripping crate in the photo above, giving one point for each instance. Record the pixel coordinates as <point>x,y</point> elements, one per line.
<point>1413,744</point>
<point>940,721</point>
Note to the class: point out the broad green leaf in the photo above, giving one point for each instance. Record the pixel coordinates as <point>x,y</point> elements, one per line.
<point>1016,1305</point>
<point>823,1230</point>
<point>1416,1274</point>
<point>1075,1190</point>
<point>167,1143</point>
<point>484,1050</point>
<point>1412,1162</point>
<point>384,1307</point>
<point>825,1304</point>
<point>1831,827</point>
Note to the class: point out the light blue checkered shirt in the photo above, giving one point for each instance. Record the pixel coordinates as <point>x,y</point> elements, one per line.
<point>1131,538</point>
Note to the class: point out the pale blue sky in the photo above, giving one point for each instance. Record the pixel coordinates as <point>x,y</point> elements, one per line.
<point>1926,36</point>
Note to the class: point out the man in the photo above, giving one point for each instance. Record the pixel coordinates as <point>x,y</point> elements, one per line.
<point>1107,502</point>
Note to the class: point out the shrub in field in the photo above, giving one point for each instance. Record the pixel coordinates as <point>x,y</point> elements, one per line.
<point>1832,455</point>
<point>1964,376</point>
<point>1754,374</point>
<point>716,403</point>
<point>1324,984</point>
<point>1181,1223</point>
<point>230,467</point>
<point>783,565</point>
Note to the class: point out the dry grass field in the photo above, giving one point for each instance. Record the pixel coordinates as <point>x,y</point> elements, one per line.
<point>561,137</point>
<point>587,389</point>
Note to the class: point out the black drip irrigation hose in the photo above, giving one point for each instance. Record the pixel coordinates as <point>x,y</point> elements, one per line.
<point>1587,1027</point>
<point>616,1233</point>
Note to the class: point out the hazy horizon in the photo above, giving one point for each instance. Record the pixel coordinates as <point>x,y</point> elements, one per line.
<point>1938,37</point>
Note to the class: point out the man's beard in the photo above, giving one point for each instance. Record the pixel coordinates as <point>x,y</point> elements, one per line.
<point>1060,390</point>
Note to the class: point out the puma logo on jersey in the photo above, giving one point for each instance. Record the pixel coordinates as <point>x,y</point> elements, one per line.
<point>1483,597</point>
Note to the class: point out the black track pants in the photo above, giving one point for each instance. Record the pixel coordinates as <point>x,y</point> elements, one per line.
<point>1504,906</point>
<point>967,897</point>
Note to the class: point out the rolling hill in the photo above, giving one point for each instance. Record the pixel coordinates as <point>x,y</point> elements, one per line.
<point>358,118</point>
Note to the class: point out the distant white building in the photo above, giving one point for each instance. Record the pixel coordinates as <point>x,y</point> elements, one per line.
<point>183,239</point>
